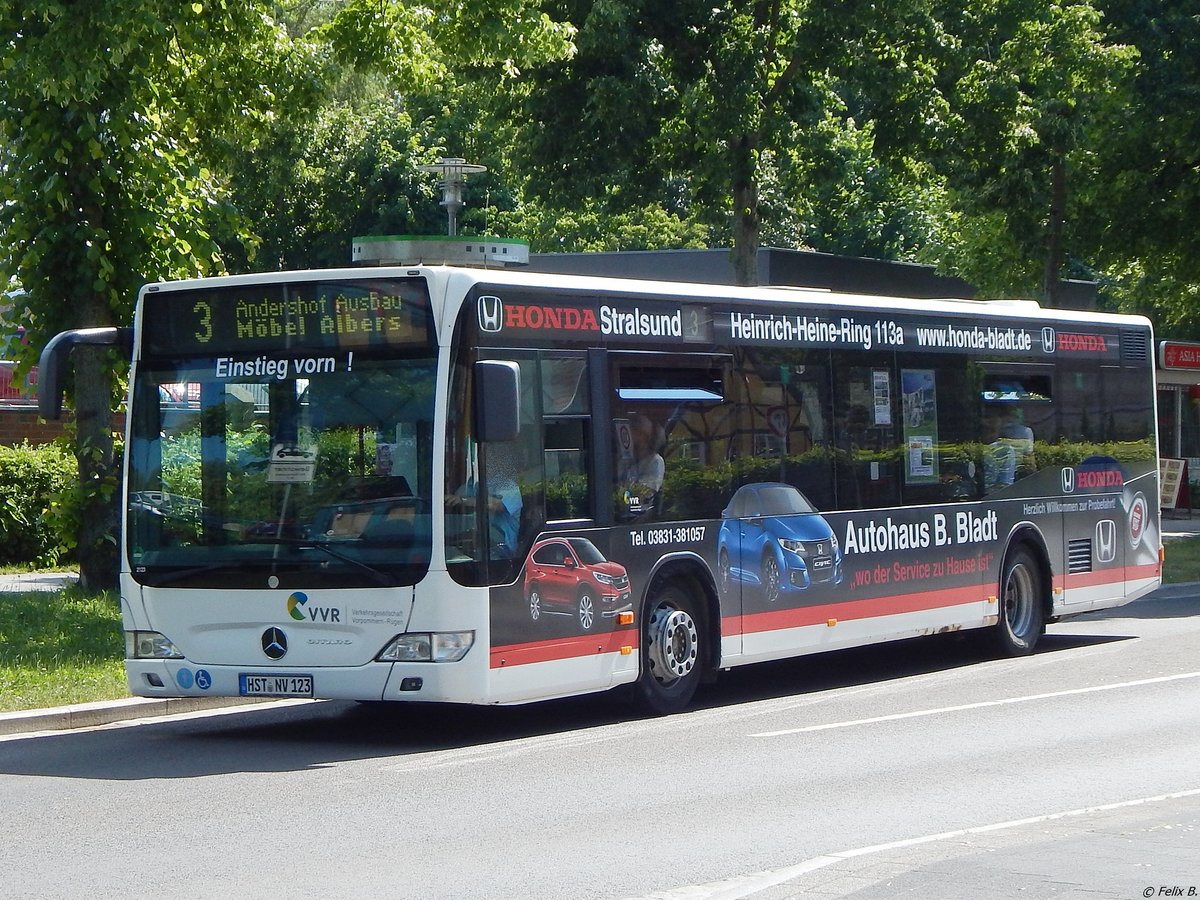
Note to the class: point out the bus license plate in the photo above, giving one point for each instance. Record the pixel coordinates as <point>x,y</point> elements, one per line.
<point>254,685</point>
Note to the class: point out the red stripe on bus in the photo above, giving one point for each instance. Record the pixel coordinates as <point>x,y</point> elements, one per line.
<point>563,648</point>
<point>894,604</point>
<point>776,620</point>
<point>1111,576</point>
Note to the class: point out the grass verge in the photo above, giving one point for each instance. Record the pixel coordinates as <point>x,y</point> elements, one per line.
<point>60,648</point>
<point>1182,560</point>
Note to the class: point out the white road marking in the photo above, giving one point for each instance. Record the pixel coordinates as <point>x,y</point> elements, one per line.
<point>747,885</point>
<point>917,714</point>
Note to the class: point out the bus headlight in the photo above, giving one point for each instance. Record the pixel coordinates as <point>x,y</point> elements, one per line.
<point>425,646</point>
<point>149,645</point>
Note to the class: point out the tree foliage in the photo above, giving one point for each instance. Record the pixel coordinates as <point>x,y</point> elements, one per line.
<point>729,106</point>
<point>351,171</point>
<point>1006,142</point>
<point>1027,85</point>
<point>119,124</point>
<point>102,123</point>
<point>1146,247</point>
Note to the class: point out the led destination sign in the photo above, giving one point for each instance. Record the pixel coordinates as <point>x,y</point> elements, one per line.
<point>317,314</point>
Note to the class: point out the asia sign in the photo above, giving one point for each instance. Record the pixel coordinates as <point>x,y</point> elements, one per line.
<point>1178,355</point>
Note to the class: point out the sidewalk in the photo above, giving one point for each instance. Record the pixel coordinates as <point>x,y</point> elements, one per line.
<point>36,581</point>
<point>1181,526</point>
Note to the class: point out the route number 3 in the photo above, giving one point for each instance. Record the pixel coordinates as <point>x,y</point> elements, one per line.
<point>202,308</point>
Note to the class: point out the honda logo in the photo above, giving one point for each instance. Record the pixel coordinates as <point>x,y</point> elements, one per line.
<point>1068,481</point>
<point>1106,540</point>
<point>1049,341</point>
<point>491,314</point>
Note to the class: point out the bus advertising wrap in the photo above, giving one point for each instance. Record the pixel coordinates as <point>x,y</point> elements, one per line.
<point>825,568</point>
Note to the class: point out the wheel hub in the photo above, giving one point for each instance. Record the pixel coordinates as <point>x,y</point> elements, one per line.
<point>674,644</point>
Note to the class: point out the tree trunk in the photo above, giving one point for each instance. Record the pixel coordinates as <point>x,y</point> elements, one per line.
<point>99,476</point>
<point>744,160</point>
<point>1054,231</point>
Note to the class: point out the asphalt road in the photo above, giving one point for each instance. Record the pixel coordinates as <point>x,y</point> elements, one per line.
<point>916,769</point>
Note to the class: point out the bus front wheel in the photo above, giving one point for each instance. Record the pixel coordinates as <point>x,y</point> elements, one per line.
<point>1022,620</point>
<point>673,655</point>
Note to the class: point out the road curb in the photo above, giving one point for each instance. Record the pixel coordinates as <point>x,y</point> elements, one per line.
<point>106,712</point>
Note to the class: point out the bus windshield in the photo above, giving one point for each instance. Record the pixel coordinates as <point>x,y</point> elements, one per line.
<point>326,476</point>
<point>300,459</point>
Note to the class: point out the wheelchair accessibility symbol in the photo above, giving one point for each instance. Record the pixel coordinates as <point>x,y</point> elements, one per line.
<point>203,679</point>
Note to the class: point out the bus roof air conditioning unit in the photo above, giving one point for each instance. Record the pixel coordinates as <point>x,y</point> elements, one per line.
<point>408,250</point>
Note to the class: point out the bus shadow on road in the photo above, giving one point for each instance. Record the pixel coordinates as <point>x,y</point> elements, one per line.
<point>1173,601</point>
<point>879,664</point>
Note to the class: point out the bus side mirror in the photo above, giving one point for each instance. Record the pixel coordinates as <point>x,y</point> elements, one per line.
<point>497,400</point>
<point>52,364</point>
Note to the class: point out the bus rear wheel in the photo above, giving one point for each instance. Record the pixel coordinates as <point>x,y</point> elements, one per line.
<point>1022,619</point>
<point>673,655</point>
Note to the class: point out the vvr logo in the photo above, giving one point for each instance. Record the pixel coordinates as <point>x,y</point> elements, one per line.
<point>1106,540</point>
<point>299,610</point>
<point>491,314</point>
<point>1068,481</point>
<point>1049,340</point>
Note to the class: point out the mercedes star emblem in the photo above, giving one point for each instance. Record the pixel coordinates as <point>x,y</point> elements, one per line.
<point>274,643</point>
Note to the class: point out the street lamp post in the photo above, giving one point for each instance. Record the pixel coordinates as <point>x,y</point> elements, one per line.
<point>454,172</point>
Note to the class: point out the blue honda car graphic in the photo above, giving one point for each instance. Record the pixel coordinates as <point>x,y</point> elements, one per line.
<point>773,538</point>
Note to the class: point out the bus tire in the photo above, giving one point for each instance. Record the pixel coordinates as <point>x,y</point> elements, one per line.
<point>673,653</point>
<point>1022,618</point>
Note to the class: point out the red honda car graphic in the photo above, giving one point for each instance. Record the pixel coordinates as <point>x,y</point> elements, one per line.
<point>569,576</point>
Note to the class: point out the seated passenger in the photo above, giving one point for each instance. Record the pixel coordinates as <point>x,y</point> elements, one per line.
<point>503,503</point>
<point>999,456</point>
<point>641,473</point>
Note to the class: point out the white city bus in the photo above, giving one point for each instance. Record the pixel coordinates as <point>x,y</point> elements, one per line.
<point>444,484</point>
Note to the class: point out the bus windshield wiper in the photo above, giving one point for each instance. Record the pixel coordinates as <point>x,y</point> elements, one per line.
<point>155,578</point>
<point>381,578</point>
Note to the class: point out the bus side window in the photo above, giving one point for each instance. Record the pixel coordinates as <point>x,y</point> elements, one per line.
<point>864,433</point>
<point>564,488</point>
<point>939,433</point>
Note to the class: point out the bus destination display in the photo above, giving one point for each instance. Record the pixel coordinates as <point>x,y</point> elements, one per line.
<point>318,315</point>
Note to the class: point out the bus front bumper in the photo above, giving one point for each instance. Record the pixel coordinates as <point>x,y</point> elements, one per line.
<point>419,682</point>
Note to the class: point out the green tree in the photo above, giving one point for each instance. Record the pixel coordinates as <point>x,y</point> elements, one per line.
<point>103,142</point>
<point>400,88</point>
<point>591,228</point>
<point>119,121</point>
<point>1027,84</point>
<point>351,170</point>
<point>712,106</point>
<point>1147,163</point>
